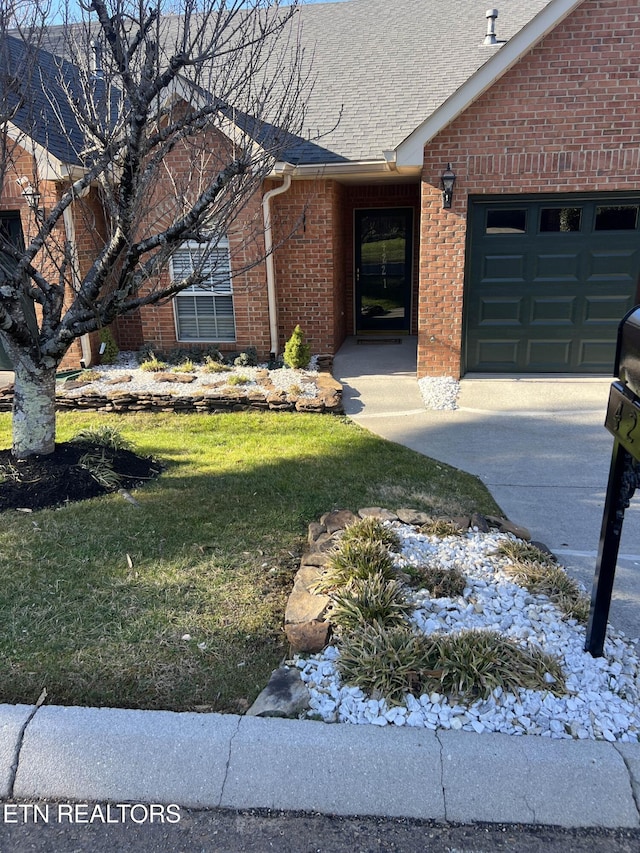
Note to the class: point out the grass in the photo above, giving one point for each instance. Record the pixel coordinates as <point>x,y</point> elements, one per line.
<point>178,604</point>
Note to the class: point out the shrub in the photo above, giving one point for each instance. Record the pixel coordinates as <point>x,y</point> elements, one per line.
<point>297,353</point>
<point>372,530</point>
<point>371,599</point>
<point>248,358</point>
<point>111,351</point>
<point>212,365</point>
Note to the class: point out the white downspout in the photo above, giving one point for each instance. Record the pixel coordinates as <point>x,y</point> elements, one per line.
<point>70,231</point>
<point>268,246</point>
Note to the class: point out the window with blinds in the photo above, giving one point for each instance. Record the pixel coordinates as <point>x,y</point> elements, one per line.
<point>204,311</point>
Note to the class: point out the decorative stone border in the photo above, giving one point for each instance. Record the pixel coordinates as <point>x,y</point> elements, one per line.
<point>328,399</point>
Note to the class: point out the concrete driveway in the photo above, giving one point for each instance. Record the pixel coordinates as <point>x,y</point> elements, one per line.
<point>538,444</point>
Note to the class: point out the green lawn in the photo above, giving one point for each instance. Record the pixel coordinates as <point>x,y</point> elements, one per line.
<point>96,597</point>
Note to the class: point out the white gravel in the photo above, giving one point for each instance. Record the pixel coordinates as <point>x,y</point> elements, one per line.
<point>439,392</point>
<point>284,379</point>
<point>602,699</point>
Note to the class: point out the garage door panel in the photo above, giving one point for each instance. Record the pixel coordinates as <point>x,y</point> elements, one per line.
<point>500,311</point>
<point>553,310</point>
<point>497,267</point>
<point>548,296</point>
<point>561,268</point>
<point>548,354</point>
<point>592,354</point>
<point>497,354</point>
<point>607,309</point>
<point>609,265</point>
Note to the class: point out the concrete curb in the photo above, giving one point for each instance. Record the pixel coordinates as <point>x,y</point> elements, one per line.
<point>214,760</point>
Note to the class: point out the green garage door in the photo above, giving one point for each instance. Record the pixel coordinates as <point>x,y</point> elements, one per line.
<point>548,282</point>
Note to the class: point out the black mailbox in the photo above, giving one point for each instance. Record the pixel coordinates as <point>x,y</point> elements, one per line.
<point>623,422</point>
<point>628,351</point>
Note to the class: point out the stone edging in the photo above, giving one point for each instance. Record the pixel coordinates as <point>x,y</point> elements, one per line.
<point>305,624</point>
<point>328,400</point>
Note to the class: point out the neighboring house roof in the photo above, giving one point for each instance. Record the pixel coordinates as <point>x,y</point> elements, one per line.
<point>388,76</point>
<point>42,108</point>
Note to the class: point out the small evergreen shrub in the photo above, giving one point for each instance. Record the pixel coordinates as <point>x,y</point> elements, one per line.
<point>211,365</point>
<point>186,366</point>
<point>111,351</point>
<point>297,353</point>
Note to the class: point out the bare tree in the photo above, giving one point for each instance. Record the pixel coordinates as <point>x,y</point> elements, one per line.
<point>164,122</point>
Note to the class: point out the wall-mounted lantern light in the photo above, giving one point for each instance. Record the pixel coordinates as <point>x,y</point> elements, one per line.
<point>31,195</point>
<point>448,180</point>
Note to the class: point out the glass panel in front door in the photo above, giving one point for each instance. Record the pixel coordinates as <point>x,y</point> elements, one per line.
<point>383,270</point>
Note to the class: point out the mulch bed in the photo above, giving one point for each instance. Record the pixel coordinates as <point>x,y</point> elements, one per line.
<point>58,478</point>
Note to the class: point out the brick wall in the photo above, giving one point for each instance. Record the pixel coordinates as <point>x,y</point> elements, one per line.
<point>566,118</point>
<point>308,265</point>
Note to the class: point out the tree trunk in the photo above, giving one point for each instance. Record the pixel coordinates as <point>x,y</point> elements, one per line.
<point>34,411</point>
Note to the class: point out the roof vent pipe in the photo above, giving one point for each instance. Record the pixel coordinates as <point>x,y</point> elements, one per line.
<point>97,72</point>
<point>490,37</point>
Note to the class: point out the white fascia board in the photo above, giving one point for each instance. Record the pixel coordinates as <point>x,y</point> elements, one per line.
<point>410,152</point>
<point>49,167</point>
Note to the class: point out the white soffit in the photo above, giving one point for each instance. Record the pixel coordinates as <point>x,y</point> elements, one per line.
<point>410,152</point>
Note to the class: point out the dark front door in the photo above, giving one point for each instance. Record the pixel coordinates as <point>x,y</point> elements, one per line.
<point>383,252</point>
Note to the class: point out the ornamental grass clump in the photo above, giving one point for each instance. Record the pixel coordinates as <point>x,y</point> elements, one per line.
<point>153,365</point>
<point>356,560</point>
<point>387,662</point>
<point>440,581</point>
<point>518,551</point>
<point>472,663</point>
<point>551,580</point>
<point>368,600</point>
<point>103,436</point>
<point>391,662</point>
<point>441,527</point>
<point>371,529</point>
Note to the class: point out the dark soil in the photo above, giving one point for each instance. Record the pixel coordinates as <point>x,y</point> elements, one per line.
<point>58,478</point>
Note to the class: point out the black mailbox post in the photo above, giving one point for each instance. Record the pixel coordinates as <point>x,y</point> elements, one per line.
<point>623,422</point>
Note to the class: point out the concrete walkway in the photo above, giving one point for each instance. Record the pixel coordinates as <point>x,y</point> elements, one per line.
<point>538,444</point>
<point>211,760</point>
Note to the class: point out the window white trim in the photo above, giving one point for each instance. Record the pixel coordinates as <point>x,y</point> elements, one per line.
<point>204,312</point>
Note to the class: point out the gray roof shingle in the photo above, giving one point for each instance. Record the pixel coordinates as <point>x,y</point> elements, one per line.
<point>380,69</point>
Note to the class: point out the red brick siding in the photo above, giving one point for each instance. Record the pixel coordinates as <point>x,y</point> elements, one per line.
<point>308,264</point>
<point>566,118</point>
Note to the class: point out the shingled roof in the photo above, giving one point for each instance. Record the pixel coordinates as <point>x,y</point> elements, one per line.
<point>381,69</point>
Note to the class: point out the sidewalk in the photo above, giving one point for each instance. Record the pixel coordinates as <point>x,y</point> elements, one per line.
<point>212,760</point>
